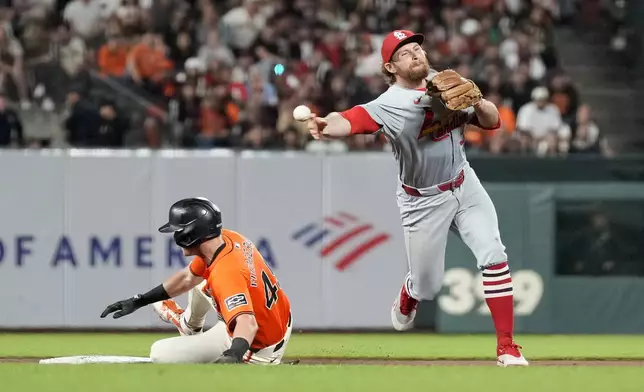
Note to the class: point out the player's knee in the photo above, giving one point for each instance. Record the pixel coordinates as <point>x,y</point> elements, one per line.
<point>199,292</point>
<point>493,254</point>
<point>159,352</point>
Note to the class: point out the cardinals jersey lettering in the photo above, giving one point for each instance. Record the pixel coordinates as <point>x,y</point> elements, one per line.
<point>427,138</point>
<point>241,282</point>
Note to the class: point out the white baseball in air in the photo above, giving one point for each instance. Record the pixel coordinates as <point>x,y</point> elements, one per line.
<point>301,113</point>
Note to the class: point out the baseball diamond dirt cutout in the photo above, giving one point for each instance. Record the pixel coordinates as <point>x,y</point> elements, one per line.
<point>412,362</point>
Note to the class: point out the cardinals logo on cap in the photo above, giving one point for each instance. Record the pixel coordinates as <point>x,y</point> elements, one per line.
<point>400,35</point>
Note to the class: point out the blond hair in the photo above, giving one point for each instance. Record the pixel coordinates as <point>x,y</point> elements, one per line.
<point>388,76</point>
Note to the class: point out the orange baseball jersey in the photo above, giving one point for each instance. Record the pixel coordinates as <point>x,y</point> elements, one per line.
<point>240,281</point>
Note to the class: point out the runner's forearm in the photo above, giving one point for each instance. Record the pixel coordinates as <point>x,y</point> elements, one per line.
<point>245,327</point>
<point>181,282</point>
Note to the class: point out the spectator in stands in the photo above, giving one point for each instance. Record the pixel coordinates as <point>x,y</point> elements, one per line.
<point>188,109</point>
<point>506,114</point>
<point>113,29</point>
<point>564,96</point>
<point>220,70</point>
<point>240,26</point>
<point>11,132</point>
<point>549,146</point>
<point>262,100</point>
<point>159,14</point>
<point>152,132</point>
<point>215,128</point>
<point>196,75</point>
<point>71,55</point>
<point>488,60</point>
<point>255,138</point>
<point>85,18</point>
<point>130,18</point>
<point>112,128</point>
<point>36,36</point>
<point>210,20</point>
<point>368,60</point>
<point>540,118</point>
<point>587,139</point>
<point>499,143</point>
<point>213,52</point>
<point>112,58</point>
<point>43,126</point>
<point>82,120</point>
<point>148,65</point>
<point>12,67</point>
<point>519,143</point>
<point>478,138</point>
<point>182,49</point>
<point>292,139</point>
<point>519,87</point>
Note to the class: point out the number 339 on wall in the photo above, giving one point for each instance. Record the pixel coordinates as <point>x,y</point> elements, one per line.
<point>465,292</point>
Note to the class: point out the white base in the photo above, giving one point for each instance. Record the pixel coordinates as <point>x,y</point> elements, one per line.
<point>86,359</point>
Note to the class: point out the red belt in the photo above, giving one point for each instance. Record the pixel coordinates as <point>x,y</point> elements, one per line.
<point>444,187</point>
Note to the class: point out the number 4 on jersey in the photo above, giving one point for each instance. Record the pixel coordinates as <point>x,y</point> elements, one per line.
<point>270,290</point>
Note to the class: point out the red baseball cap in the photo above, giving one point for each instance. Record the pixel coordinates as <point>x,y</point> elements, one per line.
<point>395,40</point>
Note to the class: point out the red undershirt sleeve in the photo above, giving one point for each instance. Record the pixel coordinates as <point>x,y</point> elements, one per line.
<point>360,120</point>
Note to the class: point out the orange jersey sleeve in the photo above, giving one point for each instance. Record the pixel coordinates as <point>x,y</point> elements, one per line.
<point>198,267</point>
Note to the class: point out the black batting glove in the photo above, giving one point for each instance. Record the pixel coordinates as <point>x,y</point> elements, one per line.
<point>236,352</point>
<point>230,357</point>
<point>123,308</point>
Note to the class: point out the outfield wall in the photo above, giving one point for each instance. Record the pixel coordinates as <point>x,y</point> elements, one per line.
<point>79,231</point>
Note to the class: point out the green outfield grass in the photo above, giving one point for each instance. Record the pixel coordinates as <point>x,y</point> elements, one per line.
<point>143,378</point>
<point>333,378</point>
<point>347,345</point>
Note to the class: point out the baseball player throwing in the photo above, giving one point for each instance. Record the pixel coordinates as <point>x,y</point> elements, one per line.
<point>228,274</point>
<point>423,114</point>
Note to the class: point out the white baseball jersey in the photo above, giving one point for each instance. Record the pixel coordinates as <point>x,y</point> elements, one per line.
<point>428,143</point>
<point>427,138</point>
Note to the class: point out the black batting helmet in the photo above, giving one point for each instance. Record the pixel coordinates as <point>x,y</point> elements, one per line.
<point>193,221</point>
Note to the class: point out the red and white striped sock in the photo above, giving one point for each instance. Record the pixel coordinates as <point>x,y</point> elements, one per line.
<point>498,292</point>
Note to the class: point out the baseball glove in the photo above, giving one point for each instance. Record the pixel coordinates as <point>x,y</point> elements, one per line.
<point>455,91</point>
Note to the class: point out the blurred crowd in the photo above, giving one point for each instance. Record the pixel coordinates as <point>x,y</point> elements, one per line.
<point>228,73</point>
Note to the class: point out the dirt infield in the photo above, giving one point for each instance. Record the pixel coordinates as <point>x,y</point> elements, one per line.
<point>412,362</point>
<point>460,362</point>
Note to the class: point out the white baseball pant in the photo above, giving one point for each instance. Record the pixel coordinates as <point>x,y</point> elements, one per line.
<point>427,220</point>
<point>208,346</point>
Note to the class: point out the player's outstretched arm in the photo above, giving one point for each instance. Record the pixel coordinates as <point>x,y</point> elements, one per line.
<point>177,284</point>
<point>330,127</point>
<point>487,114</point>
<point>335,125</point>
<point>245,329</point>
<point>181,282</point>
